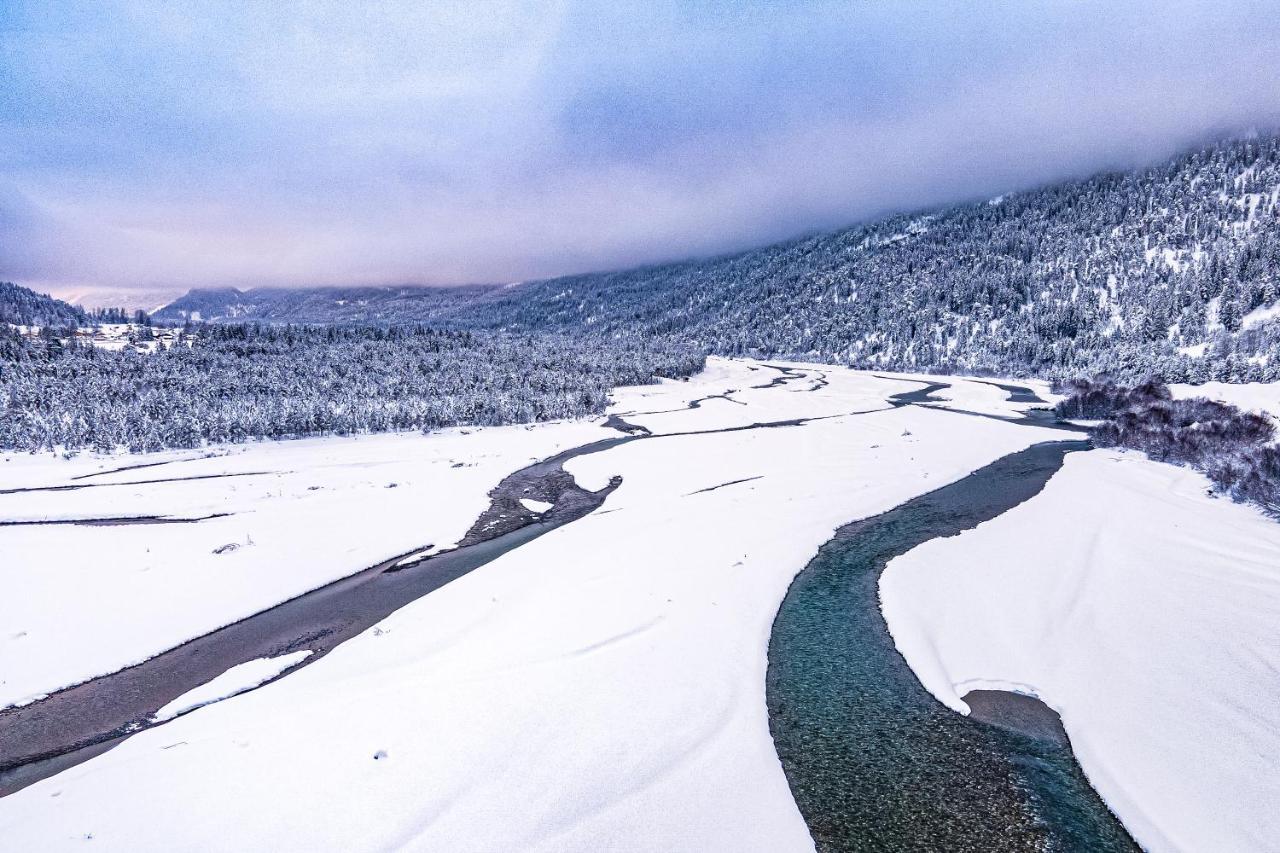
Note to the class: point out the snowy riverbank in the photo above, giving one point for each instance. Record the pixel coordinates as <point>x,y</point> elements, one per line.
<point>600,687</point>
<point>1145,613</point>
<point>603,686</point>
<point>282,518</point>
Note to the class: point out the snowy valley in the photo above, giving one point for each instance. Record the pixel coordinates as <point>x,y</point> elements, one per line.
<point>543,426</point>
<point>600,682</point>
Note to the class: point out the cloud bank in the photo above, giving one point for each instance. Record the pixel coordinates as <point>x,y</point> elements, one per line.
<point>157,144</point>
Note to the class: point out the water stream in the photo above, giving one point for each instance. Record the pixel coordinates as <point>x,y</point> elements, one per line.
<point>873,761</point>
<point>877,764</point>
<point>77,723</point>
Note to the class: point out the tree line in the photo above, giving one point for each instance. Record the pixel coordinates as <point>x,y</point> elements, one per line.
<point>234,383</point>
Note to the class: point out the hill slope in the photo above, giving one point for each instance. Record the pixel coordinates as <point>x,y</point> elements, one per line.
<point>1174,268</point>
<point>1116,272</point>
<point>329,305</point>
<point>22,307</point>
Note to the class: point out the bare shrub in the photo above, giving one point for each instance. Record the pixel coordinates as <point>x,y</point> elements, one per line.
<point>1231,446</point>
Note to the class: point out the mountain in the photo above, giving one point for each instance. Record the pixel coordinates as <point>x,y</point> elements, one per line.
<point>22,307</point>
<point>1172,269</point>
<point>320,305</point>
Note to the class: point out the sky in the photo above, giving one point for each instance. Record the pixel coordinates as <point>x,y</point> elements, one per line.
<point>181,144</point>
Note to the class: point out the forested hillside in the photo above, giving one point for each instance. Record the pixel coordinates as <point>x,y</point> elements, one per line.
<point>1173,269</point>
<point>320,305</point>
<point>1126,273</point>
<point>22,307</point>
<point>212,383</point>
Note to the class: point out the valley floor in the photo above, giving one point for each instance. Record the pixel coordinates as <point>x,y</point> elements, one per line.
<point>1143,611</point>
<point>603,686</point>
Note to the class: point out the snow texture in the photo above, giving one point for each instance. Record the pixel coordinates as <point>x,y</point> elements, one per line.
<point>599,688</point>
<point>238,679</point>
<point>1261,397</point>
<point>1144,612</point>
<point>82,601</point>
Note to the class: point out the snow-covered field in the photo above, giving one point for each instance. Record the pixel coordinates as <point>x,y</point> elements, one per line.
<point>1146,614</point>
<point>601,687</point>
<point>81,600</point>
<point>1261,397</point>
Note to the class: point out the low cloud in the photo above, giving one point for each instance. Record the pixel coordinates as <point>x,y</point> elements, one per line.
<point>163,145</point>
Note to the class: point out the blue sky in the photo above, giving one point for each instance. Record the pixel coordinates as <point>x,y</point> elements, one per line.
<point>175,144</point>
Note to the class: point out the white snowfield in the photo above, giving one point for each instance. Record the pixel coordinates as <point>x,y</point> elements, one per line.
<point>1147,614</point>
<point>82,601</point>
<point>238,679</point>
<point>603,687</point>
<point>599,688</point>
<point>1262,397</point>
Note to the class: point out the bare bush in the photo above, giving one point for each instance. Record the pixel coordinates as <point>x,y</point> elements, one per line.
<point>1231,446</point>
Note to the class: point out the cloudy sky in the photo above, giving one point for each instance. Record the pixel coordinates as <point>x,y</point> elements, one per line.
<point>175,144</point>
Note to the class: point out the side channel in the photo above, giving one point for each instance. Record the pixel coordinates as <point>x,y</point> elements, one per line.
<point>874,761</point>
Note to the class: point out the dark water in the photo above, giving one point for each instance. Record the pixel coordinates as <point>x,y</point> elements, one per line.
<point>920,395</point>
<point>874,762</point>
<point>77,723</point>
<point>1017,393</point>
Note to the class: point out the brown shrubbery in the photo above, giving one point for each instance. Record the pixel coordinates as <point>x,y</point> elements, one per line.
<point>1232,447</point>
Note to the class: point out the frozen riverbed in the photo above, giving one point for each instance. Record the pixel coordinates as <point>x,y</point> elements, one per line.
<point>280,518</point>
<point>601,687</point>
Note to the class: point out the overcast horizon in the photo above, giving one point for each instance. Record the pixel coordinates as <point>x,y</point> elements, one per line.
<point>158,146</point>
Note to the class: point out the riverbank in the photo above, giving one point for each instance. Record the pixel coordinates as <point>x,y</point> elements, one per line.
<point>874,762</point>
<point>47,735</point>
<point>1143,611</point>
<point>609,677</point>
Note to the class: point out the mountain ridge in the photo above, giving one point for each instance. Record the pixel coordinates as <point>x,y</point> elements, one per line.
<point>22,306</point>
<point>1171,269</point>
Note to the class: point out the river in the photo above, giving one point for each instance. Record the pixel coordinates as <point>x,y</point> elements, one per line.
<point>877,764</point>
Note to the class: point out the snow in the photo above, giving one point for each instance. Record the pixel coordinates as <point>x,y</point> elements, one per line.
<point>536,506</point>
<point>237,679</point>
<point>599,688</point>
<point>1262,397</point>
<point>846,393</point>
<point>300,514</point>
<point>115,336</point>
<point>980,394</point>
<point>609,676</point>
<point>1261,314</point>
<point>1212,313</point>
<point>1143,611</point>
<point>416,556</point>
<point>1172,258</point>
